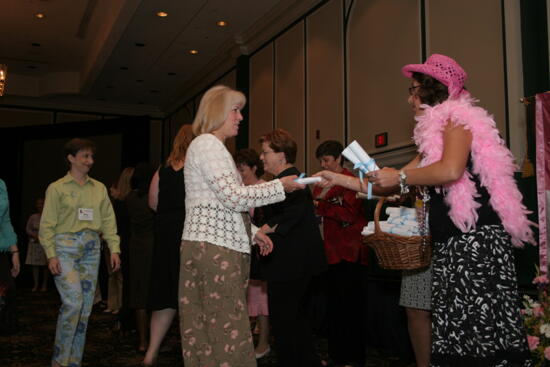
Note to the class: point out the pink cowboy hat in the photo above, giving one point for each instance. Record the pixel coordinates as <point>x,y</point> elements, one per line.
<point>442,68</point>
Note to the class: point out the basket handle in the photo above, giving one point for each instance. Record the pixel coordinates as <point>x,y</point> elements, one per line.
<point>377,211</point>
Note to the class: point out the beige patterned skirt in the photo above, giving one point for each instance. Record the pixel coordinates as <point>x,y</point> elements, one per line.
<point>215,330</point>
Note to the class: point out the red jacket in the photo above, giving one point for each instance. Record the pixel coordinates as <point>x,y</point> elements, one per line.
<point>343,219</point>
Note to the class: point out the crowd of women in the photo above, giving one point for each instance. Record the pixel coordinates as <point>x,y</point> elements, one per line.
<point>205,235</point>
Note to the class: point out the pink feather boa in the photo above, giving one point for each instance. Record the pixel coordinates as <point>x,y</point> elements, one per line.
<point>492,162</point>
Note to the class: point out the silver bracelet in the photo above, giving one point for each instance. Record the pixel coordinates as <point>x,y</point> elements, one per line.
<point>403,182</point>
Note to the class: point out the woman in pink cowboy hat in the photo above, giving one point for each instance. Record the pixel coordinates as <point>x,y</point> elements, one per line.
<point>476,218</point>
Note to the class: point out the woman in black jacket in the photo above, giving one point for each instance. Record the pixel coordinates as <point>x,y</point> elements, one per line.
<point>297,256</point>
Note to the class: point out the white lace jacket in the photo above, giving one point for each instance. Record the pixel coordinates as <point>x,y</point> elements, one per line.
<point>215,196</point>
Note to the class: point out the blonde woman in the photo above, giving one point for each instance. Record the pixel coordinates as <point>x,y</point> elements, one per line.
<point>167,198</point>
<point>215,249</point>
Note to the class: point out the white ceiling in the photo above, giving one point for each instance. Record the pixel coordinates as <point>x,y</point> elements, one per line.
<point>118,53</point>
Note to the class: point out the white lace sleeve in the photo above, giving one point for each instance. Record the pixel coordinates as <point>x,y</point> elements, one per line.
<point>218,170</point>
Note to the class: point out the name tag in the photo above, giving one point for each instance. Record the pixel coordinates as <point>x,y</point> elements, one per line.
<point>85,214</point>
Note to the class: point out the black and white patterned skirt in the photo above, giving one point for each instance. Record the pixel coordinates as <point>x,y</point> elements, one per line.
<point>475,303</point>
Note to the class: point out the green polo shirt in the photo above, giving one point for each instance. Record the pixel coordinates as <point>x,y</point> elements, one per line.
<point>64,198</point>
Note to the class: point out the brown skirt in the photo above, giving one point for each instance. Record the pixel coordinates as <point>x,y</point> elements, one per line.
<point>215,330</point>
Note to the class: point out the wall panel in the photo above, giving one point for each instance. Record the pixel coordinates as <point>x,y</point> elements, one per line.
<point>383,36</point>
<point>260,105</point>
<point>325,78</point>
<point>475,44</point>
<point>290,87</point>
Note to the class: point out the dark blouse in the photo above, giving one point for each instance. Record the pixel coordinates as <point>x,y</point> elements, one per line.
<point>442,227</point>
<point>297,244</point>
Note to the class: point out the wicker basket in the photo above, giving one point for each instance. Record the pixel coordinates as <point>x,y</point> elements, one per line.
<point>398,252</point>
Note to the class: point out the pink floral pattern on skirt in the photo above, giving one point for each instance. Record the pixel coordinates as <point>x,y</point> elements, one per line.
<point>215,330</point>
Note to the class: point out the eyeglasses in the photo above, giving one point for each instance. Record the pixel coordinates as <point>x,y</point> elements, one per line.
<point>411,89</point>
<point>266,153</point>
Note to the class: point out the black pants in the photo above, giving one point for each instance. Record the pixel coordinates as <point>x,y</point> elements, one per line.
<point>345,312</point>
<point>290,320</point>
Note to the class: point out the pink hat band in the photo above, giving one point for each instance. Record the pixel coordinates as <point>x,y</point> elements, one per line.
<point>442,68</point>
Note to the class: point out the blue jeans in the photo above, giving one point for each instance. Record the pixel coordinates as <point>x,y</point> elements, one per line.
<point>78,255</point>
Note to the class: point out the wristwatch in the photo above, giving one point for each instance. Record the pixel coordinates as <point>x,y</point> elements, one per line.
<point>403,182</point>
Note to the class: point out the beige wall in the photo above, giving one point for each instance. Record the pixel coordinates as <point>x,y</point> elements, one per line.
<point>383,36</point>
<point>477,45</point>
<point>290,87</point>
<point>319,78</point>
<point>325,116</point>
<point>260,95</point>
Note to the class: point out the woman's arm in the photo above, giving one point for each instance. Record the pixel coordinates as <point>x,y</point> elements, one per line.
<point>153,197</point>
<point>353,183</point>
<point>456,149</point>
<point>215,166</point>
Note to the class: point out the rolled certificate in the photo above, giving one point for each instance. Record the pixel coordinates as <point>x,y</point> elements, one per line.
<point>307,180</point>
<point>359,153</point>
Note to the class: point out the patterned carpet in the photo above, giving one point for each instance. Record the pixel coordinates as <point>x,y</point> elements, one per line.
<point>31,346</point>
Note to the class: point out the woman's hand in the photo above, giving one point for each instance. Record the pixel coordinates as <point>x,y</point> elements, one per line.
<point>290,185</point>
<point>115,262</point>
<point>54,265</point>
<point>264,242</point>
<point>16,265</point>
<point>329,178</point>
<point>385,178</point>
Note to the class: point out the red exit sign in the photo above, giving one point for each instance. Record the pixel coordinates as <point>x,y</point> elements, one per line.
<point>380,140</point>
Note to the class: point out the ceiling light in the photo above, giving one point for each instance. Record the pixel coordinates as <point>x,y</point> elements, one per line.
<point>162,14</point>
<point>39,15</point>
<point>193,52</point>
<point>221,23</point>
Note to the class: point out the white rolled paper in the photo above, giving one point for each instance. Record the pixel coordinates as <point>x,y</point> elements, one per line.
<point>361,155</point>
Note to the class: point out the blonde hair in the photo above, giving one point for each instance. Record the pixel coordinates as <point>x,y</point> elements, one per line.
<point>214,108</point>
<point>181,143</point>
<point>123,187</point>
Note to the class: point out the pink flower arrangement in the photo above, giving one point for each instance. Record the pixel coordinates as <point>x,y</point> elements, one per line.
<point>536,317</point>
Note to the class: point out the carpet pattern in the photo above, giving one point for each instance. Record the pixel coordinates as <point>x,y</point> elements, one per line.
<point>31,345</point>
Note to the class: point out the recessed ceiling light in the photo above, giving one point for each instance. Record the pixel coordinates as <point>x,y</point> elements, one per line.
<point>39,15</point>
<point>221,23</point>
<point>193,52</point>
<point>162,14</point>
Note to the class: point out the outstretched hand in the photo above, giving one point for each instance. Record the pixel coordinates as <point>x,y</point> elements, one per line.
<point>385,177</point>
<point>290,185</point>
<point>328,178</point>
